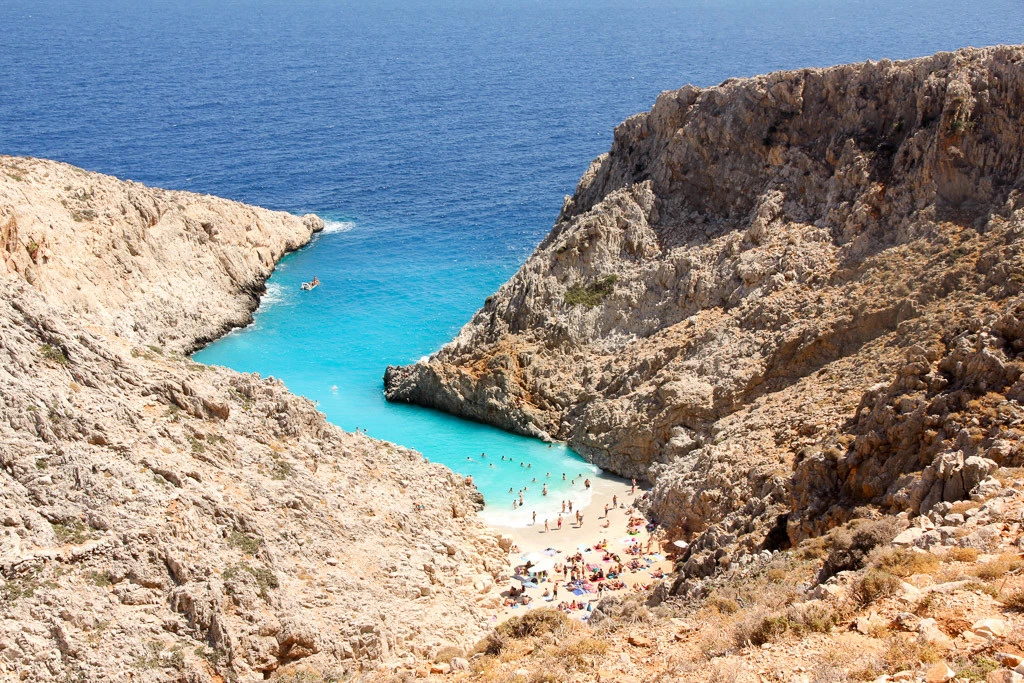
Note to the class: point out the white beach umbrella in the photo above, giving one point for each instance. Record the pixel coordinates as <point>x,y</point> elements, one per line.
<point>534,557</point>
<point>681,544</point>
<point>545,566</point>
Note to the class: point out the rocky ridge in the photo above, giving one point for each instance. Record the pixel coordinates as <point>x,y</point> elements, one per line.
<point>186,522</point>
<point>786,301</point>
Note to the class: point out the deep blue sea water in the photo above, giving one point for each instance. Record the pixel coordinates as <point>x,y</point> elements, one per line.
<point>439,137</point>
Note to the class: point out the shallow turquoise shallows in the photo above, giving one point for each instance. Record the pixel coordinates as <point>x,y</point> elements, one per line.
<point>332,344</point>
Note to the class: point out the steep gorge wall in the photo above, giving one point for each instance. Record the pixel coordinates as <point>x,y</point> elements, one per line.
<point>727,283</point>
<point>183,522</point>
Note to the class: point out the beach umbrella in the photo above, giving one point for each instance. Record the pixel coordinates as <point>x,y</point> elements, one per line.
<point>545,566</point>
<point>583,548</point>
<point>681,544</point>
<point>534,557</point>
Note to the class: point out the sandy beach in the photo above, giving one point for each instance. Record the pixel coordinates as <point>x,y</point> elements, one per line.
<point>560,544</point>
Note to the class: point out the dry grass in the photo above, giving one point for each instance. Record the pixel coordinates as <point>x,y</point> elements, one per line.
<point>903,562</point>
<point>999,567</point>
<point>550,645</point>
<point>1015,600</point>
<point>905,651</point>
<point>961,555</point>
<point>960,507</point>
<point>722,605</point>
<point>758,627</point>
<point>874,585</point>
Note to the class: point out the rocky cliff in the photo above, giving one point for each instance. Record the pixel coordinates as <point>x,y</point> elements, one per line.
<point>184,522</point>
<point>780,300</point>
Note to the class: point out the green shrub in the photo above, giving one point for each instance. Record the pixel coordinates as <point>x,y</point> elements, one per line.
<point>590,295</point>
<point>247,544</point>
<point>71,532</point>
<point>265,578</point>
<point>53,354</point>
<point>770,629</point>
<point>851,546</point>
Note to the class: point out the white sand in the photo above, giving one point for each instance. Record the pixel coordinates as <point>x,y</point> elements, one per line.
<point>596,527</point>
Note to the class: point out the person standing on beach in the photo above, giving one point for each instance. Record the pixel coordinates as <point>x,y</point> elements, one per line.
<point>586,483</point>
<point>606,510</point>
<point>547,529</point>
<point>563,507</point>
<point>559,522</point>
<point>615,500</point>
<point>633,490</point>
<point>534,516</point>
<point>544,491</point>
<point>570,506</point>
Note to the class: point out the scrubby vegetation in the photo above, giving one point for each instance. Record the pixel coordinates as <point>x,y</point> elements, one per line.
<point>590,295</point>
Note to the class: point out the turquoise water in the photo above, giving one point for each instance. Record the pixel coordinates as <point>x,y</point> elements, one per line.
<point>374,307</point>
<point>443,133</point>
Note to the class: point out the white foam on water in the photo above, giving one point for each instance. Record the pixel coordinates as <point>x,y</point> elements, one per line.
<point>331,227</point>
<point>273,295</point>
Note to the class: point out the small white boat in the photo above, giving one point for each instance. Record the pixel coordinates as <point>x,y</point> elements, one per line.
<point>306,286</point>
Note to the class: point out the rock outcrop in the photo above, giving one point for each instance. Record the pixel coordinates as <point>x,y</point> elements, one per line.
<point>778,299</point>
<point>186,522</point>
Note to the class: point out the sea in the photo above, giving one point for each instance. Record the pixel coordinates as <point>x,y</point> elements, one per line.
<point>437,138</point>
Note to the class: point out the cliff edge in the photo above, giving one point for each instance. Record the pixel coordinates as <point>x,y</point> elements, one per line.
<point>785,300</point>
<point>185,522</point>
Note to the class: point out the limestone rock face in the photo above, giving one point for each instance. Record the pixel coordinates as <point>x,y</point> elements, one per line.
<point>185,522</point>
<point>173,269</point>
<point>770,293</point>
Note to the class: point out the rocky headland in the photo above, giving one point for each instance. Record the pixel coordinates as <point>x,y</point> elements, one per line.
<point>166,520</point>
<point>786,301</point>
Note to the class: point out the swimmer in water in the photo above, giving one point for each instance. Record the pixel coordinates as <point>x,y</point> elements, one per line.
<point>544,491</point>
<point>563,476</point>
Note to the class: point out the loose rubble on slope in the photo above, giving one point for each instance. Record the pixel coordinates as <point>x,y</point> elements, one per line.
<point>928,599</point>
<point>185,522</point>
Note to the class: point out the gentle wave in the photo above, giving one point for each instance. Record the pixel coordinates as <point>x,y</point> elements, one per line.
<point>331,227</point>
<point>501,515</point>
<point>273,295</point>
